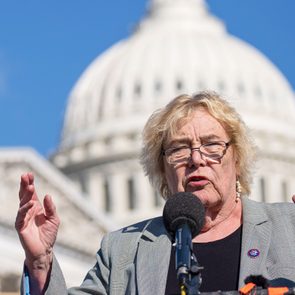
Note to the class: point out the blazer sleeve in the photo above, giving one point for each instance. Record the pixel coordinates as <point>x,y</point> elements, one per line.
<point>56,284</point>
<point>96,281</point>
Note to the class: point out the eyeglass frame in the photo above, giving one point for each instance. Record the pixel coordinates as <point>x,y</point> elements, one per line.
<point>192,149</point>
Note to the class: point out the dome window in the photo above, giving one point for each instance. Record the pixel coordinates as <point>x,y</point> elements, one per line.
<point>83,180</point>
<point>158,86</point>
<point>107,196</point>
<point>262,185</point>
<point>285,191</point>
<point>241,88</point>
<point>132,136</point>
<point>131,194</point>
<point>221,86</point>
<point>119,94</point>
<point>137,89</point>
<point>179,85</point>
<point>102,102</point>
<point>108,140</point>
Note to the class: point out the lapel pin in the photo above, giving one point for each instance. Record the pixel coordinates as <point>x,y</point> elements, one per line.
<point>253,253</point>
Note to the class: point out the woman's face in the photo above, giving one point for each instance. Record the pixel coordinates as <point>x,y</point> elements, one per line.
<point>214,182</point>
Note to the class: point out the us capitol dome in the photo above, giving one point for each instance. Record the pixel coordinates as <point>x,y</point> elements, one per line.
<point>178,47</point>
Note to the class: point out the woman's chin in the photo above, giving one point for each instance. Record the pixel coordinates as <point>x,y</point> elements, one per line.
<point>202,196</point>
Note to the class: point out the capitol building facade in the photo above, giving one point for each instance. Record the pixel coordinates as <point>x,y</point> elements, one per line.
<point>95,175</point>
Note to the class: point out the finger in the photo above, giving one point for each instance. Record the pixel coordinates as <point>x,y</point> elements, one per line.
<point>50,208</point>
<point>26,180</point>
<point>27,189</point>
<point>28,195</point>
<point>31,177</point>
<point>293,198</point>
<point>22,214</point>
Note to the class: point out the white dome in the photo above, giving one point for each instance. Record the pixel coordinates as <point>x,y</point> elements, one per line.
<point>178,48</point>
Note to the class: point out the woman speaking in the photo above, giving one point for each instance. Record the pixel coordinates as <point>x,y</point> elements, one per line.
<point>199,145</point>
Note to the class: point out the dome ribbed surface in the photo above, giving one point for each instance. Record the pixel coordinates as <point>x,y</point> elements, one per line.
<point>179,47</point>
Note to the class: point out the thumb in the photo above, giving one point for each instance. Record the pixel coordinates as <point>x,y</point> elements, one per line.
<point>293,198</point>
<point>49,207</point>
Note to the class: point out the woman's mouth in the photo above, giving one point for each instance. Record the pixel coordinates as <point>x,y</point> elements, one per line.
<point>196,182</point>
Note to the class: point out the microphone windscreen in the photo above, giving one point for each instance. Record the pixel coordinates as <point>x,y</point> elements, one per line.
<point>184,208</point>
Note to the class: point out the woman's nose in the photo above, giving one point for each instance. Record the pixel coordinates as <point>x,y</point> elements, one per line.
<point>196,158</point>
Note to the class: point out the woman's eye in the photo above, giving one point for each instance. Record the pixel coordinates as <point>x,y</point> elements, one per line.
<point>210,143</point>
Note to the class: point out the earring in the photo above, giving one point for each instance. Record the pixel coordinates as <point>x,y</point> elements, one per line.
<point>238,190</point>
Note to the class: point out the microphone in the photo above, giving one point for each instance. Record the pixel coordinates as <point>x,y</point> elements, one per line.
<point>184,217</point>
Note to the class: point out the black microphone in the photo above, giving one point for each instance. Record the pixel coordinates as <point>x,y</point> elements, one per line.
<point>184,217</point>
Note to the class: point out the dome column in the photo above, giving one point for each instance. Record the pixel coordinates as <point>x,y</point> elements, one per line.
<point>118,194</point>
<point>144,193</point>
<point>96,191</point>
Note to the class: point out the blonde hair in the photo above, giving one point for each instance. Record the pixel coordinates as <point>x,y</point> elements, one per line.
<point>165,122</point>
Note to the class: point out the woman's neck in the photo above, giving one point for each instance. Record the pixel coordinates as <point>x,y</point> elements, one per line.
<point>221,225</point>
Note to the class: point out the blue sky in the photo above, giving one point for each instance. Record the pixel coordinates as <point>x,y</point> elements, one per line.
<point>46,45</point>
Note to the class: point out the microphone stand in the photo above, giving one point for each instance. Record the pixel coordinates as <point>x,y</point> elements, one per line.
<point>187,266</point>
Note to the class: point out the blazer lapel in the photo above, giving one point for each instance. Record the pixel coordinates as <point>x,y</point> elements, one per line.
<point>154,249</point>
<point>152,260</point>
<point>255,240</point>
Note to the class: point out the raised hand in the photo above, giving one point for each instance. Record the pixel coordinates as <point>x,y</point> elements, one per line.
<point>37,228</point>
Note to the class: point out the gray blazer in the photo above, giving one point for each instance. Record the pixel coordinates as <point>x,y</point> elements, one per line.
<point>135,259</point>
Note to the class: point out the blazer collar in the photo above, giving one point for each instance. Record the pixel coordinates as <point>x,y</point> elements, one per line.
<point>153,256</point>
<point>255,240</point>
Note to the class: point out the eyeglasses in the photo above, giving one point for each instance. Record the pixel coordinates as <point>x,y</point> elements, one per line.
<point>211,151</point>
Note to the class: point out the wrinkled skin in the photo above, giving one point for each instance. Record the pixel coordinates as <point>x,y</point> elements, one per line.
<point>37,227</point>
